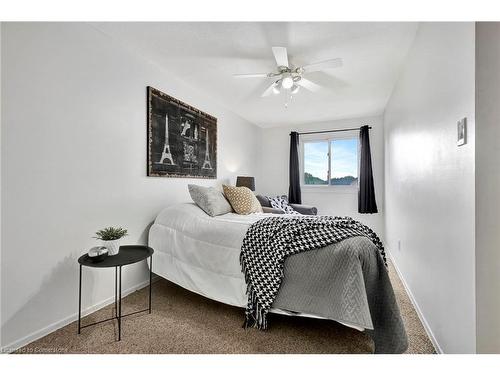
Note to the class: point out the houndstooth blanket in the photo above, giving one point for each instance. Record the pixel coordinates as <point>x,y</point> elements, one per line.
<point>271,241</point>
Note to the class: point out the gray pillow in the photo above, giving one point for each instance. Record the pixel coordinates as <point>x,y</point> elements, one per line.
<point>270,210</point>
<point>264,202</point>
<point>210,200</point>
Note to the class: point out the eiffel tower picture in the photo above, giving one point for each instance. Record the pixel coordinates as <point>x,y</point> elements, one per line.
<point>166,156</point>
<point>182,140</point>
<point>206,163</point>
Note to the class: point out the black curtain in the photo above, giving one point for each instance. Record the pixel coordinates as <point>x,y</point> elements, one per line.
<point>366,197</point>
<point>294,195</point>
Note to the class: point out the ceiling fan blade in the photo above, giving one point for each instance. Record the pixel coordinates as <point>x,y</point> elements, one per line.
<point>309,85</point>
<point>252,75</point>
<point>269,90</point>
<point>323,65</point>
<point>281,56</point>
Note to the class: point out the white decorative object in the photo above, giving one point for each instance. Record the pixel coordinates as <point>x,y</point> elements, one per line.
<point>98,253</point>
<point>112,246</point>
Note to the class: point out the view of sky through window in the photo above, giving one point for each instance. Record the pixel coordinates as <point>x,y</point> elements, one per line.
<point>344,162</point>
<point>316,162</point>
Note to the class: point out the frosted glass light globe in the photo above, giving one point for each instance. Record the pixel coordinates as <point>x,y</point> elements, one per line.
<point>287,82</point>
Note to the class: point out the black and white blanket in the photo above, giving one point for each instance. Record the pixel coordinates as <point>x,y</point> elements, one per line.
<point>271,241</point>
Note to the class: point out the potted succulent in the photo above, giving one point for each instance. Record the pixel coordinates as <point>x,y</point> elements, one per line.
<point>110,238</point>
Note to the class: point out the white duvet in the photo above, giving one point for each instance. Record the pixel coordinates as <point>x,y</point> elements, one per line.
<point>201,253</point>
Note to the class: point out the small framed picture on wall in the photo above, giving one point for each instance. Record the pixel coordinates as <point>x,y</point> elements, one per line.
<point>462,132</point>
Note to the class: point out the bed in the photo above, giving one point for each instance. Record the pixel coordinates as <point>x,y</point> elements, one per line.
<point>201,254</point>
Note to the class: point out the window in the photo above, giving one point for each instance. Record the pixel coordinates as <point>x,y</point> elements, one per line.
<point>316,163</point>
<point>332,161</point>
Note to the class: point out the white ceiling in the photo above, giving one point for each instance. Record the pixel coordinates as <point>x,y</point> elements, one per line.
<point>205,55</point>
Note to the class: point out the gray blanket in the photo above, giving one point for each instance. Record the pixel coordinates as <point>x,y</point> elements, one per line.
<point>349,284</point>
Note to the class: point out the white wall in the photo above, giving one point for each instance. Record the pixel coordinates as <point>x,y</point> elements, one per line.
<point>73,153</point>
<point>0,182</point>
<point>429,181</point>
<point>487,187</point>
<point>274,181</point>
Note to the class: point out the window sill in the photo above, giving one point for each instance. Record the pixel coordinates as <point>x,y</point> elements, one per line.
<point>338,189</point>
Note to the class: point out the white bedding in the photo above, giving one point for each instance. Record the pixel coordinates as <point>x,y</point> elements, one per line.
<point>201,253</point>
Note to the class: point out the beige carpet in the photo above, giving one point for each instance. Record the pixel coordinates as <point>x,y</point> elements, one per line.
<point>184,322</point>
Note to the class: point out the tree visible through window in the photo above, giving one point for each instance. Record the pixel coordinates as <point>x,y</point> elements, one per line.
<point>331,162</point>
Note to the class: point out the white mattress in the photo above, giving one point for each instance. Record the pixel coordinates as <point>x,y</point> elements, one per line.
<point>201,253</point>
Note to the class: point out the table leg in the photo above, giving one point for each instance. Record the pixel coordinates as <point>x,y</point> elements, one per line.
<point>116,292</point>
<point>120,309</point>
<point>80,300</point>
<point>150,279</point>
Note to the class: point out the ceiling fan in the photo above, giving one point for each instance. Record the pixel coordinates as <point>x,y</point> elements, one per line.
<point>289,77</point>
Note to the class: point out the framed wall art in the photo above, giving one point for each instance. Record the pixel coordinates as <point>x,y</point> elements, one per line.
<point>182,140</point>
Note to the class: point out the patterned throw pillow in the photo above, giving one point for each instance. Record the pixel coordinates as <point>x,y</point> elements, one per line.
<point>242,199</point>
<point>282,204</point>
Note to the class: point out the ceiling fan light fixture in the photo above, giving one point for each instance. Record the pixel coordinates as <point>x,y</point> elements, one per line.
<point>287,82</point>
<point>289,77</point>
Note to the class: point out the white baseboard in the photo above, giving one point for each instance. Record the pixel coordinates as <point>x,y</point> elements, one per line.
<point>427,328</point>
<point>73,317</point>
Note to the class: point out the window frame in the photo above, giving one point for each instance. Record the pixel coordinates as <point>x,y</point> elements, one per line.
<point>327,137</point>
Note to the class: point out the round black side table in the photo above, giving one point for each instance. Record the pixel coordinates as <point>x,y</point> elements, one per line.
<point>127,255</point>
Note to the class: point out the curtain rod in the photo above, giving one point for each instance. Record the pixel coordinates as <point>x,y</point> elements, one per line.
<point>332,131</point>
